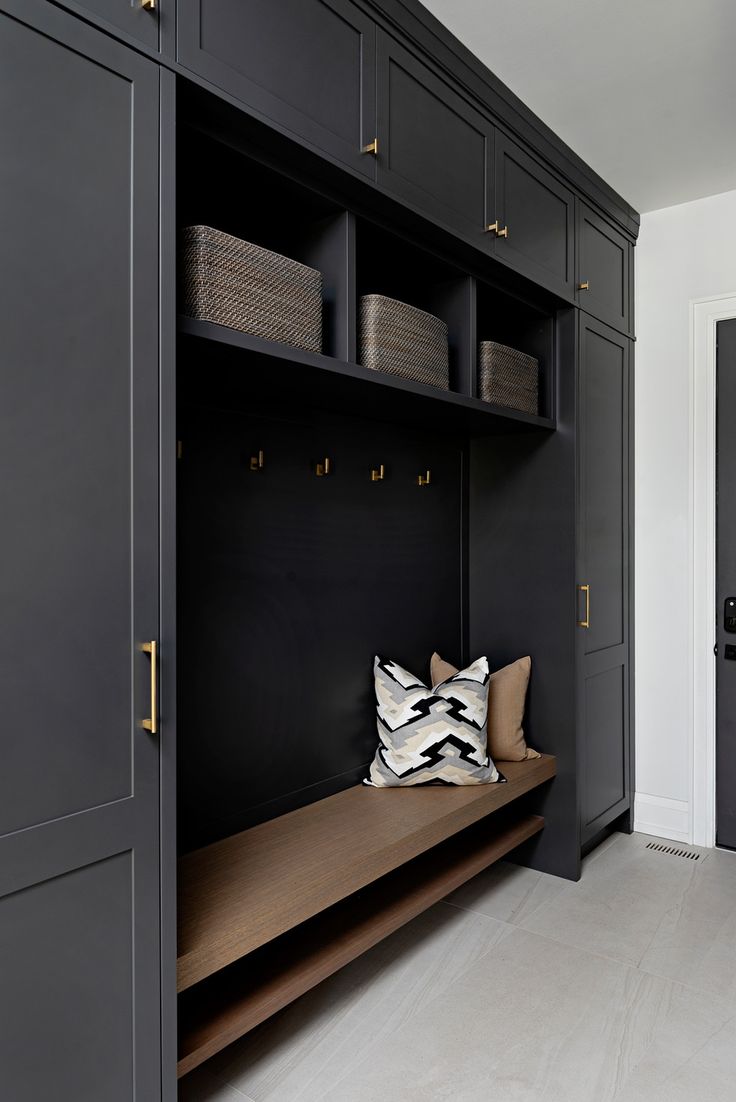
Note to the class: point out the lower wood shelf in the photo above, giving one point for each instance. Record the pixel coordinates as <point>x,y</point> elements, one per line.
<point>222,1008</point>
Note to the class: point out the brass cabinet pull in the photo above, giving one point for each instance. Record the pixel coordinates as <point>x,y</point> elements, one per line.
<point>152,723</point>
<point>586,622</point>
<point>372,147</point>
<point>584,286</point>
<point>148,5</point>
<point>498,229</point>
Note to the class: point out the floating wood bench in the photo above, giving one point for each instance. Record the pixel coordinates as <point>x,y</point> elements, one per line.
<point>267,914</point>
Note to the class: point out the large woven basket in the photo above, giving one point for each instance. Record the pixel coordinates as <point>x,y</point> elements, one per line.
<point>402,340</point>
<point>234,283</point>
<point>508,378</point>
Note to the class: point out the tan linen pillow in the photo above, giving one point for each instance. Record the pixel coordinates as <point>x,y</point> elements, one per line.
<point>506,700</point>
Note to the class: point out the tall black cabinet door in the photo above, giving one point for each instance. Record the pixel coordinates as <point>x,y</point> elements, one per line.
<point>307,65</point>
<point>434,150</point>
<point>536,215</point>
<point>603,264</point>
<point>79,911</point>
<point>603,567</point>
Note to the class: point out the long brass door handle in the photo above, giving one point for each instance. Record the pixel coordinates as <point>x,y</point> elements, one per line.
<point>152,723</point>
<point>586,590</point>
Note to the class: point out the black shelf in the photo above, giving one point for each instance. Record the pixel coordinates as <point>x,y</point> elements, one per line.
<point>249,367</point>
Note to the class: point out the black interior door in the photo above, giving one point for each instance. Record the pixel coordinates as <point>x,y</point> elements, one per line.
<point>434,150</point>
<point>536,215</point>
<point>603,574</point>
<point>79,913</point>
<point>726,587</point>
<point>307,65</point>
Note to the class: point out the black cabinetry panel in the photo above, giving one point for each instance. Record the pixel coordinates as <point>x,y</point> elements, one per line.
<point>538,212</point>
<point>434,149</point>
<point>128,16</point>
<point>308,65</point>
<point>603,549</point>
<point>603,264</point>
<point>78,561</point>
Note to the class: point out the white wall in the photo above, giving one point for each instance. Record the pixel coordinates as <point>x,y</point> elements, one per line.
<point>684,253</point>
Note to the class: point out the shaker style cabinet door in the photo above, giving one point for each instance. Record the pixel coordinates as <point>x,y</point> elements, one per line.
<point>603,567</point>
<point>79,805</point>
<point>307,65</point>
<point>536,217</point>
<point>434,150</point>
<point>134,17</point>
<point>602,280</point>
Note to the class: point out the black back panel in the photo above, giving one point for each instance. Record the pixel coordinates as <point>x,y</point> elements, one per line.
<point>290,583</point>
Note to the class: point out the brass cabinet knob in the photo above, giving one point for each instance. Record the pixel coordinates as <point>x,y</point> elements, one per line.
<point>148,5</point>
<point>584,286</point>
<point>498,229</point>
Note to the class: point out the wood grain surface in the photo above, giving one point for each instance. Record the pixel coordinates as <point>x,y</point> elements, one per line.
<point>245,890</point>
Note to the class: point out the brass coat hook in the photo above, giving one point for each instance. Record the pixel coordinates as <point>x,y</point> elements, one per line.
<point>323,468</point>
<point>256,461</point>
<point>378,475</point>
<point>425,479</point>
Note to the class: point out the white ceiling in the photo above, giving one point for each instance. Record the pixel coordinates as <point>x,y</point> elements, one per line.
<point>643,90</point>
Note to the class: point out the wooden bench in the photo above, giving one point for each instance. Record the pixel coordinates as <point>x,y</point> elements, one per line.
<point>267,914</point>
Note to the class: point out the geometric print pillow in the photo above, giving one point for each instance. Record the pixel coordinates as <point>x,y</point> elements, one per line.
<point>431,736</point>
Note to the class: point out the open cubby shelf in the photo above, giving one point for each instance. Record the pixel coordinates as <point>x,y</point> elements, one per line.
<point>268,913</point>
<point>268,366</point>
<point>358,255</point>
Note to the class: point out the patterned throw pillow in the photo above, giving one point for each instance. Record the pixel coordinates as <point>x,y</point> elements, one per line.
<point>431,736</point>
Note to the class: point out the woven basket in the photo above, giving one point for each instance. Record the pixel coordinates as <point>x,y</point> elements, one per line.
<point>234,283</point>
<point>508,378</point>
<point>402,340</point>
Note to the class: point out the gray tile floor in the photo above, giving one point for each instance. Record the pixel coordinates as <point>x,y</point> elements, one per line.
<point>521,988</point>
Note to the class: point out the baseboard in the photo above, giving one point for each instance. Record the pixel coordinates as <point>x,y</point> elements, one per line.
<point>662,817</point>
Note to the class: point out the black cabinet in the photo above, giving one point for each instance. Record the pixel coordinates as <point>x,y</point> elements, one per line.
<point>535,215</point>
<point>434,149</point>
<point>604,417</point>
<point>307,65</point>
<point>138,18</point>
<point>603,269</point>
<point>79,804</point>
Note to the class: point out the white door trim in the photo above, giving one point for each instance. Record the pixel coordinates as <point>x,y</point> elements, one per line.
<point>704,315</point>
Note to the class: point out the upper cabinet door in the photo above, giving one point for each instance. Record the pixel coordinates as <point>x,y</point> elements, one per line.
<point>603,270</point>
<point>434,150</point>
<point>133,17</point>
<point>307,65</point>
<point>535,213</point>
